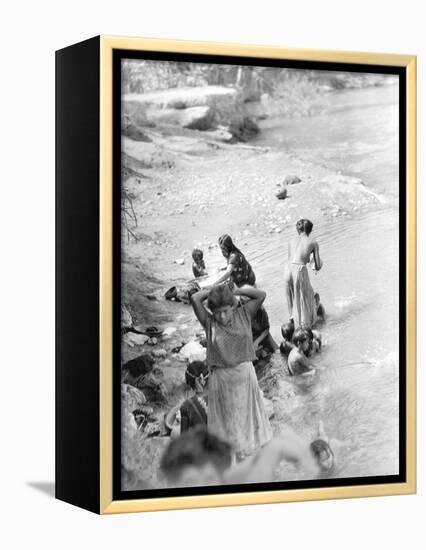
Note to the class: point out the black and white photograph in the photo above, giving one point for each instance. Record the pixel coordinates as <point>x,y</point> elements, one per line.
<point>260,248</point>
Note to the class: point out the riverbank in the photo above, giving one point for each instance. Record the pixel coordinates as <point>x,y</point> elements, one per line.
<point>194,190</point>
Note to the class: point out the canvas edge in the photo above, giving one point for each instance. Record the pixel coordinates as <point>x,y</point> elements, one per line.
<point>107,505</point>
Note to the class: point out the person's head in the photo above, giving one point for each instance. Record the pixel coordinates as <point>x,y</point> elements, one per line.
<point>197,457</point>
<point>197,255</point>
<point>227,245</point>
<point>323,454</point>
<point>301,339</point>
<point>304,226</point>
<point>287,331</point>
<point>221,303</point>
<point>317,299</point>
<point>196,376</point>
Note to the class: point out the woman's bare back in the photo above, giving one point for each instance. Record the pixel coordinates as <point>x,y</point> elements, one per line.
<point>301,249</point>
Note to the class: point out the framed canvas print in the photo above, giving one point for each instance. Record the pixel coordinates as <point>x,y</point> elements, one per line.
<point>235,274</point>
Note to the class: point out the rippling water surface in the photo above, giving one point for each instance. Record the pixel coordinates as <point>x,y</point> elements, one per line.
<point>356,395</point>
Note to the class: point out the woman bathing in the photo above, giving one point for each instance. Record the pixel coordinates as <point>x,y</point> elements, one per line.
<point>236,410</point>
<point>299,292</point>
<point>238,270</point>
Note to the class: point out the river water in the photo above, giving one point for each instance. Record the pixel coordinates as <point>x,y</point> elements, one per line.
<point>356,395</point>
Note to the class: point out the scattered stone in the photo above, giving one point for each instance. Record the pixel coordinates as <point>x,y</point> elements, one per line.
<point>291,180</point>
<point>131,398</point>
<point>167,332</point>
<point>126,318</point>
<point>138,366</point>
<point>159,353</point>
<point>179,261</point>
<point>152,341</point>
<point>134,132</point>
<point>134,339</point>
<point>282,194</point>
<point>153,388</point>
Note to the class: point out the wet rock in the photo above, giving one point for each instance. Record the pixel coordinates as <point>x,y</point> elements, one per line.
<point>291,180</point>
<point>134,339</point>
<point>243,128</point>
<point>220,134</point>
<point>159,353</point>
<point>126,318</point>
<point>282,194</point>
<point>197,118</point>
<point>136,133</point>
<point>138,366</point>
<point>153,388</point>
<point>131,398</point>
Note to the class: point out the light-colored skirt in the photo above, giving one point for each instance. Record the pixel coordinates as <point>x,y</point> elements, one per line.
<point>236,409</point>
<point>300,296</point>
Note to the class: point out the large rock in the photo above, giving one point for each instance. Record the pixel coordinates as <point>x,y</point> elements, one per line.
<point>139,366</point>
<point>135,132</point>
<point>200,108</point>
<point>131,398</point>
<point>197,118</point>
<point>183,98</point>
<point>243,128</point>
<point>153,388</point>
<point>194,118</point>
<point>126,318</point>
<point>291,180</point>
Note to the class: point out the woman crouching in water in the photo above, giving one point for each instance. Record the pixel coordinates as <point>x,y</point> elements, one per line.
<point>236,410</point>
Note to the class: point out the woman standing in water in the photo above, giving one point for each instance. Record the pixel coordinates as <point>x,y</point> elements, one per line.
<point>236,410</point>
<point>239,271</point>
<point>299,291</point>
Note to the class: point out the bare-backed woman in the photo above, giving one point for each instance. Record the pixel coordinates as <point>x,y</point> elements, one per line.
<point>299,292</point>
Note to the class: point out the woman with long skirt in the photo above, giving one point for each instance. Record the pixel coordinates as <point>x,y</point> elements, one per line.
<point>299,292</point>
<point>236,409</point>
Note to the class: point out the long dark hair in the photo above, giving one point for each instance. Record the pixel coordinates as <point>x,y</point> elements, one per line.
<point>226,242</point>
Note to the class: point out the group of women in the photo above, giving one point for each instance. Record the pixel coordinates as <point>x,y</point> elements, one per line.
<point>236,411</point>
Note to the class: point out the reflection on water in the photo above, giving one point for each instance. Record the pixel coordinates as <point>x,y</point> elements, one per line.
<point>356,395</point>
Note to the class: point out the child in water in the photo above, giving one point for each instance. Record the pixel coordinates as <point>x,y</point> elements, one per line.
<point>297,360</point>
<point>198,267</point>
<point>322,451</point>
<point>287,331</point>
<point>315,341</point>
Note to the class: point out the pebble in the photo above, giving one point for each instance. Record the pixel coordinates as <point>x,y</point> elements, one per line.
<point>159,353</point>
<point>179,261</point>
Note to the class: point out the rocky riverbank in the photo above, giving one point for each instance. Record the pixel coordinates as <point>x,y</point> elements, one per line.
<point>183,189</point>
